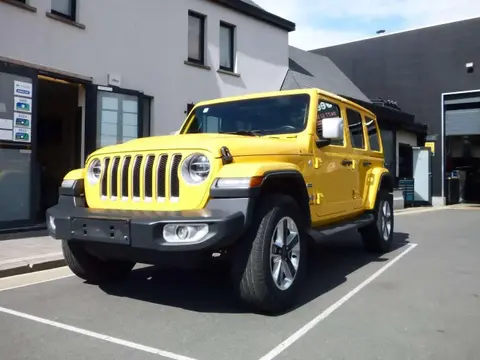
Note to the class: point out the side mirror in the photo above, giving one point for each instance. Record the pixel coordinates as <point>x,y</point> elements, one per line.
<point>332,128</point>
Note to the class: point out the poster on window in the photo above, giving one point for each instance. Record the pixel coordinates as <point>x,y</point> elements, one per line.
<point>22,88</point>
<point>6,135</point>
<point>22,120</point>
<point>22,135</point>
<point>6,124</point>
<point>23,104</point>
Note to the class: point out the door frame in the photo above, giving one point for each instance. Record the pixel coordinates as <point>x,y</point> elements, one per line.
<point>91,119</point>
<point>19,70</point>
<point>33,72</point>
<point>442,135</point>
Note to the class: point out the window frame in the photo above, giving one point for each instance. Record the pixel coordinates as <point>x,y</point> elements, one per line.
<point>191,116</point>
<point>351,109</point>
<point>201,38</point>
<point>231,28</point>
<point>377,128</point>
<point>72,11</point>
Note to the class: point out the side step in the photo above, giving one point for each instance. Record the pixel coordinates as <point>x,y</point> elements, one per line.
<point>351,224</point>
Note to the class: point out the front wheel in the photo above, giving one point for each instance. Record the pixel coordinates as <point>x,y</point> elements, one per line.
<point>269,263</point>
<point>378,236</point>
<point>91,268</point>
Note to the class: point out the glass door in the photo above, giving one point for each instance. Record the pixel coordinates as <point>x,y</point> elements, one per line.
<point>18,171</point>
<point>115,116</point>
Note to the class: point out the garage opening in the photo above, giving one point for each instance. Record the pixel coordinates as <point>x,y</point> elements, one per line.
<point>59,137</point>
<point>463,159</point>
<point>462,130</point>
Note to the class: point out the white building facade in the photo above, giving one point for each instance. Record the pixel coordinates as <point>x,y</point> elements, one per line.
<point>76,75</point>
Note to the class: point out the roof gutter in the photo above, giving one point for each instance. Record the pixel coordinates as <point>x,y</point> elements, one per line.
<point>257,13</point>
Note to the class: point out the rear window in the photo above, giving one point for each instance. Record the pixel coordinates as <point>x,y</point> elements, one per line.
<point>372,134</point>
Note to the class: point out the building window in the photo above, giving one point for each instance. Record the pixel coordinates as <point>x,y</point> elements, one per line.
<point>325,110</point>
<point>355,127</point>
<point>372,134</point>
<point>65,8</point>
<point>227,46</point>
<point>196,38</point>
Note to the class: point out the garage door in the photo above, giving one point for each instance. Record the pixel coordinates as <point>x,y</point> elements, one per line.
<point>462,122</point>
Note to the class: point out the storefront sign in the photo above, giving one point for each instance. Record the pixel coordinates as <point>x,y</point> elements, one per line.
<point>22,120</point>
<point>23,104</point>
<point>22,135</point>
<point>23,88</point>
<point>431,145</point>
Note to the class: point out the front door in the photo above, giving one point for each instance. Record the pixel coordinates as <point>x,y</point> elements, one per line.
<point>422,174</point>
<point>334,166</point>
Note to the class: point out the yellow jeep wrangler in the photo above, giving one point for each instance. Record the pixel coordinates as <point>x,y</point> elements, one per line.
<point>255,178</point>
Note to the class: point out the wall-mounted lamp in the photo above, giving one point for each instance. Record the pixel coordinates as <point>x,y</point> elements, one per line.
<point>469,67</point>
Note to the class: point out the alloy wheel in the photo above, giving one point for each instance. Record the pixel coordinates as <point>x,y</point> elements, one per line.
<point>285,253</point>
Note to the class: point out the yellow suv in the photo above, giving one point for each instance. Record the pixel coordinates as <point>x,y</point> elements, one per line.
<point>255,179</point>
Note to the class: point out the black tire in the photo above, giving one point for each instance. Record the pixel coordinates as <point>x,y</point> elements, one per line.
<point>251,268</point>
<point>91,268</point>
<point>373,235</point>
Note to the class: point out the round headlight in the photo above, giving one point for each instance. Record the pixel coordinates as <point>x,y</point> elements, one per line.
<point>94,171</point>
<point>196,168</point>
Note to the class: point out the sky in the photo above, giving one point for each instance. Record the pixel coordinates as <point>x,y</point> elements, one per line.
<point>321,23</point>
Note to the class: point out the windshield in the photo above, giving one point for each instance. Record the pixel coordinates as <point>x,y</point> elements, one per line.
<point>254,117</point>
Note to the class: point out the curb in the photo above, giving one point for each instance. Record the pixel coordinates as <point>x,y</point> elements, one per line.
<point>23,267</point>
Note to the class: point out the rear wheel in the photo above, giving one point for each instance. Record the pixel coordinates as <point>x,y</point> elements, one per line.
<point>269,263</point>
<point>378,236</point>
<point>91,268</point>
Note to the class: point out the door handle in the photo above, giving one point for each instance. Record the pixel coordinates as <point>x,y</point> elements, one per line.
<point>367,163</point>
<point>346,162</point>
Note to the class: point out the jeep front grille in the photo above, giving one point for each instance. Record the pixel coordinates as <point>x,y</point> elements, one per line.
<point>124,177</point>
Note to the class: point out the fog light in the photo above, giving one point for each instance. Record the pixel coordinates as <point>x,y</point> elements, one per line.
<point>51,223</point>
<point>182,232</point>
<point>176,233</point>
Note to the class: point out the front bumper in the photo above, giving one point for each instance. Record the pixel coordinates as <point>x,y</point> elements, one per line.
<point>144,230</point>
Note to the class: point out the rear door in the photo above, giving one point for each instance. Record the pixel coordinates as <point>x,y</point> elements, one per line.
<point>359,155</point>
<point>372,156</point>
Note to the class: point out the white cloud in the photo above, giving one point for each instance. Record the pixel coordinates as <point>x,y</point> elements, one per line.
<point>414,13</point>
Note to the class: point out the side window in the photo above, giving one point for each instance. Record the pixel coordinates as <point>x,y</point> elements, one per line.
<point>356,129</point>
<point>372,134</point>
<point>325,110</point>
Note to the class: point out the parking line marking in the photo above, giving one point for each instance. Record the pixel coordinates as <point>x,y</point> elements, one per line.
<point>17,278</point>
<point>322,316</point>
<point>95,335</point>
<point>419,210</point>
<point>35,283</point>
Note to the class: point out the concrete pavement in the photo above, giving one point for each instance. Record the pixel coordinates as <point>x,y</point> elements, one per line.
<point>19,256</point>
<point>29,254</point>
<point>417,302</point>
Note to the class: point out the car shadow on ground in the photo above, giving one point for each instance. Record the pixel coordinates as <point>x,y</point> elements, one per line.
<point>208,290</point>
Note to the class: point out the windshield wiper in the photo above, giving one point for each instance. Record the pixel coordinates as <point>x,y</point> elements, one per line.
<point>243,132</point>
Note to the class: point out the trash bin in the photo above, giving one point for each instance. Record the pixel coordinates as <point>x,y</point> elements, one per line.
<point>453,190</point>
